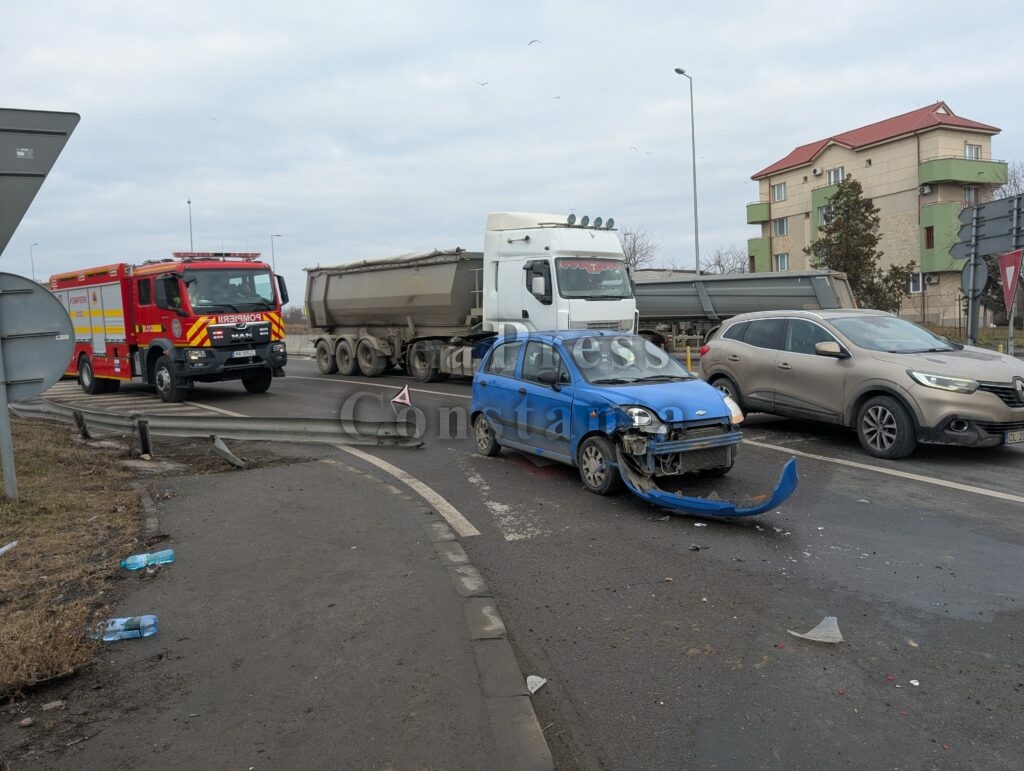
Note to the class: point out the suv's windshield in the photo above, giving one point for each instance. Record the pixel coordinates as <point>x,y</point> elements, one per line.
<point>592,278</point>
<point>624,359</point>
<point>233,289</point>
<point>891,334</point>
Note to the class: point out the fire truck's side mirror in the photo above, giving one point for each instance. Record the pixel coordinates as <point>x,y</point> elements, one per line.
<point>282,289</point>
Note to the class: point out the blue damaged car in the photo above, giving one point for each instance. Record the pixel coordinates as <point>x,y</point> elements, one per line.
<point>618,408</point>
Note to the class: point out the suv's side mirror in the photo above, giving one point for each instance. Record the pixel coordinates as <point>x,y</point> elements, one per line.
<point>831,348</point>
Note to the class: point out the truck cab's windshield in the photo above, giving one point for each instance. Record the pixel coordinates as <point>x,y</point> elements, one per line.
<point>229,289</point>
<point>592,278</point>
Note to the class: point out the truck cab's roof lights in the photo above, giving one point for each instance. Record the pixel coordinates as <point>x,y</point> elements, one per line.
<point>584,222</point>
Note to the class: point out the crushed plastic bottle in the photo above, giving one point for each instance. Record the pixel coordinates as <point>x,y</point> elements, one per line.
<point>127,628</point>
<point>139,561</point>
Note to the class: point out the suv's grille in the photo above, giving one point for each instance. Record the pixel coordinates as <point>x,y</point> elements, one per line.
<point>1005,391</point>
<point>998,428</point>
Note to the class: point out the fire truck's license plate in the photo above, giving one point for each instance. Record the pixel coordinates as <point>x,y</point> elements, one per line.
<point>243,354</point>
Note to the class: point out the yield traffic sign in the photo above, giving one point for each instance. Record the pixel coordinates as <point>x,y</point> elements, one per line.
<point>1009,272</point>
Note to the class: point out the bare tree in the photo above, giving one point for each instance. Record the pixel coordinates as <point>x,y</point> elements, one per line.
<point>1014,184</point>
<point>728,259</point>
<point>638,247</point>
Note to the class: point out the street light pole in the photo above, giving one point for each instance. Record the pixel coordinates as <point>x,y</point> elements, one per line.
<point>273,258</point>
<point>32,259</point>
<point>693,150</point>
<point>191,246</point>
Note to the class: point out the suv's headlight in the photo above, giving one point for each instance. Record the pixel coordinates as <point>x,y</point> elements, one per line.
<point>963,385</point>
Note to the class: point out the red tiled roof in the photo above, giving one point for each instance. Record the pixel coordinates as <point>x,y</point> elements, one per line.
<point>923,119</point>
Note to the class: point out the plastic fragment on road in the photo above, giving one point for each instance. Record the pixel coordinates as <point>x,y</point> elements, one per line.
<point>139,561</point>
<point>534,683</point>
<point>826,632</point>
<point>645,488</point>
<point>127,628</point>
<point>8,547</point>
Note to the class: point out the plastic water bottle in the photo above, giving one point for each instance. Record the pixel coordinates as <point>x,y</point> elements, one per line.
<point>128,628</point>
<point>139,561</point>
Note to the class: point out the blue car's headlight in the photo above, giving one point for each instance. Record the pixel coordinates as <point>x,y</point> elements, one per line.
<point>735,413</point>
<point>641,416</point>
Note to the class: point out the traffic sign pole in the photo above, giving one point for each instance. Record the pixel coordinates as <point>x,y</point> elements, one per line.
<point>973,297</point>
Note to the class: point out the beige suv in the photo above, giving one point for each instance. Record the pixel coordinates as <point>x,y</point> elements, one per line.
<point>894,382</point>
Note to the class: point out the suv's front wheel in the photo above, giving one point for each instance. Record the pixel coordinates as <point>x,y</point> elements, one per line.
<point>885,428</point>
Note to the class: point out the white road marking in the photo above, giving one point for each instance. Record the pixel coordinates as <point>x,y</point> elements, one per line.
<point>451,515</point>
<point>513,525</point>
<point>894,473</point>
<point>379,385</point>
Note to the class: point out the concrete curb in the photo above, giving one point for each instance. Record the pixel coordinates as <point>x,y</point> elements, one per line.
<point>513,719</point>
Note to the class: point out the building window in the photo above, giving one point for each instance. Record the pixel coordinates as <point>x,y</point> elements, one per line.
<point>780,227</point>
<point>929,237</point>
<point>825,214</point>
<point>834,176</point>
<point>779,192</point>
<point>914,283</point>
<point>972,152</point>
<point>970,195</point>
<point>782,261</point>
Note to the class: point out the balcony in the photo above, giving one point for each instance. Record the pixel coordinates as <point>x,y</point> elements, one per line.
<point>761,250</point>
<point>965,171</point>
<point>758,212</point>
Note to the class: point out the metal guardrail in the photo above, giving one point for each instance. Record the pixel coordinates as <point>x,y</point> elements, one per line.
<point>319,430</point>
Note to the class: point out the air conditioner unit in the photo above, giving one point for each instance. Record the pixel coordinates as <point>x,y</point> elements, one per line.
<point>924,189</point>
<point>931,278</point>
<point>816,171</point>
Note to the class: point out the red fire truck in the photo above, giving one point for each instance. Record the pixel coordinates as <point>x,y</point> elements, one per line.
<point>201,316</point>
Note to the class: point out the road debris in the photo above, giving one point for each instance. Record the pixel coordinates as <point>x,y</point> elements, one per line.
<point>59,704</point>
<point>827,631</point>
<point>534,683</point>
<point>8,547</point>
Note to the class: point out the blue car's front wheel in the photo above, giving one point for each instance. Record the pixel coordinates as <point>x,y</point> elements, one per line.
<point>598,469</point>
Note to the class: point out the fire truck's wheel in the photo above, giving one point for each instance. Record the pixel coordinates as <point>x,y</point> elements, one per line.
<point>422,362</point>
<point>112,386</point>
<point>371,361</point>
<point>258,383</point>
<point>346,359</point>
<point>325,360</point>
<point>166,387</point>
<point>87,379</point>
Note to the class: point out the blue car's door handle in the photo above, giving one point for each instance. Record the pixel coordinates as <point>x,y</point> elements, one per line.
<point>483,383</point>
<point>522,392</point>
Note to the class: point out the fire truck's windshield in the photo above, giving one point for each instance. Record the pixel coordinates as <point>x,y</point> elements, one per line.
<point>229,289</point>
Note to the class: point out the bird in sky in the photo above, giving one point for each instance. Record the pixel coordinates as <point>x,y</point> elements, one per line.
<point>556,97</point>
<point>483,83</point>
<point>534,41</point>
<point>633,149</point>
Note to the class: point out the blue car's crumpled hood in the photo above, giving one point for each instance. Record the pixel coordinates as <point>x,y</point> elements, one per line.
<point>646,489</point>
<point>672,402</point>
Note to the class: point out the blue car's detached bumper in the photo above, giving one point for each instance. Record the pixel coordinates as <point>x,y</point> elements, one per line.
<point>644,487</point>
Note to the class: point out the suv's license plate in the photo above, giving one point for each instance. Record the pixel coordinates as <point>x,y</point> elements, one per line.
<point>247,354</point>
<point>1013,437</point>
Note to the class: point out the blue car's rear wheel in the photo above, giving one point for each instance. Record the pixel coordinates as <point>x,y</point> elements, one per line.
<point>598,469</point>
<point>486,444</point>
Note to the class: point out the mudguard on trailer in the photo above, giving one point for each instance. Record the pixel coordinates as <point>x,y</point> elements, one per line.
<point>645,488</point>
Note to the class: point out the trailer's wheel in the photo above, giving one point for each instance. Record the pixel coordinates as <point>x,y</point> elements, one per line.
<point>422,362</point>
<point>258,383</point>
<point>87,379</point>
<point>371,361</point>
<point>598,469</point>
<point>325,360</point>
<point>486,443</point>
<point>345,358</point>
<point>167,387</point>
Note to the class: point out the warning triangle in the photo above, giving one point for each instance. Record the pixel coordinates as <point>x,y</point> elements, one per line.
<point>403,398</point>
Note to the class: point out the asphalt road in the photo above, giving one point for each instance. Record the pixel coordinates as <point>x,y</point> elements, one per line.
<point>664,637</point>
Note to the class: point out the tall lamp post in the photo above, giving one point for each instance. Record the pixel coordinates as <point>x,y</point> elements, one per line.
<point>273,258</point>
<point>32,260</point>
<point>693,150</point>
<point>191,247</point>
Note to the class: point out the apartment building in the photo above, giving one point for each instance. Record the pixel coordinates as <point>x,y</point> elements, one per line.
<point>920,170</point>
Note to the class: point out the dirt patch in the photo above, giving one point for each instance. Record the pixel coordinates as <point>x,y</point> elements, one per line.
<point>79,512</point>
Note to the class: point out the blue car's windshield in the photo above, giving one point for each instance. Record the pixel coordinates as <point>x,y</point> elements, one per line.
<point>891,334</point>
<point>624,359</point>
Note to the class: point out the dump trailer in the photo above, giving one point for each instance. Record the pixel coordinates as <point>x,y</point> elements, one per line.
<point>435,313</point>
<point>687,305</point>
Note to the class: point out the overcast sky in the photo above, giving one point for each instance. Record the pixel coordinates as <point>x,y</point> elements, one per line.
<point>366,129</point>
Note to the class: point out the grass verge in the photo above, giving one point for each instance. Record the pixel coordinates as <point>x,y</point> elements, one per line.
<point>76,516</point>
